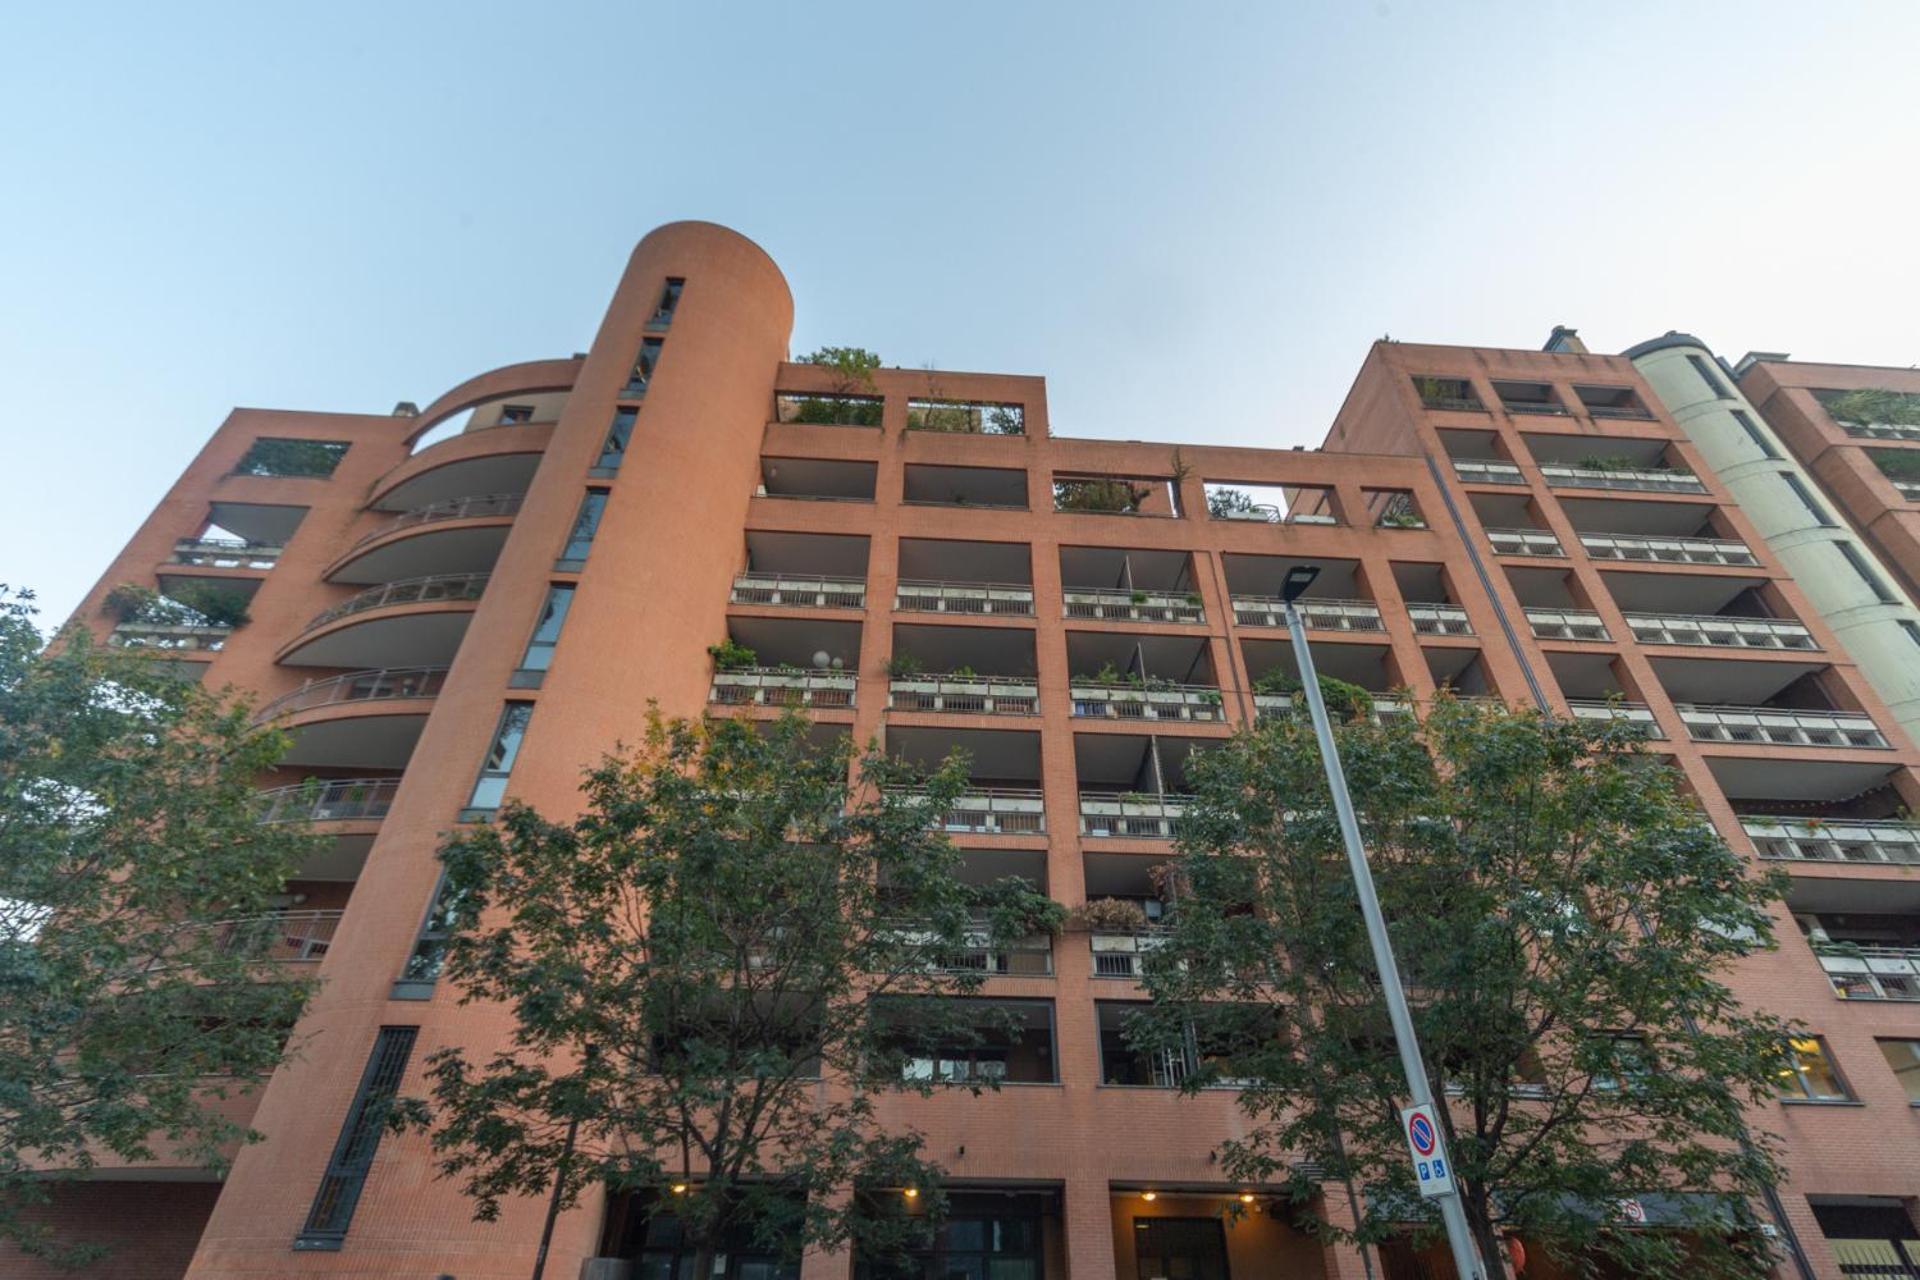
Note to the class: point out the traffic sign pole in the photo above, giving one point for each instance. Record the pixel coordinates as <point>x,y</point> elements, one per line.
<point>1466,1258</point>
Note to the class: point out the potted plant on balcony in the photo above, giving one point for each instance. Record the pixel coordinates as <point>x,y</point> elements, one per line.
<point>730,656</point>
<point>1109,915</point>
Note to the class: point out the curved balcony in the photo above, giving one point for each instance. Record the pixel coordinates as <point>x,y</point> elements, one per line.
<point>500,459</point>
<point>457,535</point>
<point>361,720</point>
<point>416,622</point>
<point>333,800</point>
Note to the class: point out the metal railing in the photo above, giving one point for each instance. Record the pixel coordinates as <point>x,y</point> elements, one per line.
<point>1615,411</point>
<point>332,800</point>
<point>297,937</point>
<point>1780,726</point>
<point>1146,702</point>
<point>161,635</point>
<point>1629,546</point>
<point>1638,713</point>
<point>1721,632</point>
<point>1487,471</point>
<point>477,507</point>
<point>1022,958</point>
<point>1782,839</point>
<point>1108,813</point>
<point>1439,619</point>
<point>1565,476</point>
<point>1909,489</point>
<point>1463,404</point>
<point>966,695</point>
<point>1524,542</point>
<point>1881,430</point>
<point>800,590</point>
<point>1320,614</point>
<point>1871,973</point>
<point>1133,606</point>
<point>358,686</point>
<point>1535,406</point>
<point>773,687</point>
<point>1123,955</point>
<point>1267,705</point>
<point>917,596</point>
<point>433,589</point>
<point>224,553</point>
<point>1566,624</point>
<point>1268,513</point>
<point>990,811</point>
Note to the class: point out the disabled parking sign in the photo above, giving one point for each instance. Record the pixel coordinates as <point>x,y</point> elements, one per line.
<point>1430,1166</point>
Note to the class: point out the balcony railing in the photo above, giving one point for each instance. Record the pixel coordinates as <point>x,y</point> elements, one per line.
<point>223,553</point>
<point>1458,404</point>
<point>1871,973</point>
<point>1487,471</point>
<point>1881,430</point>
<point>1780,726</point>
<point>774,687</point>
<point>359,686</point>
<point>991,811</point>
<point>433,589</point>
<point>296,937</point>
<point>334,800</point>
<point>1023,958</point>
<point>1123,955</point>
<point>1268,513</point>
<point>965,695</point>
<point>1535,406</point>
<point>1566,624</point>
<point>800,590</point>
<point>1268,705</point>
<point>476,507</point>
<point>1146,702</point>
<point>1439,619</point>
<point>1909,489</point>
<point>1616,411</point>
<point>1560,476</point>
<point>1724,633</point>
<point>827,409</point>
<point>158,635</point>
<point>1133,606</point>
<point>1637,713</point>
<point>1319,614</point>
<point>1525,542</point>
<point>1834,840</point>
<point>1624,546</point>
<point>1007,598</point>
<point>1106,813</point>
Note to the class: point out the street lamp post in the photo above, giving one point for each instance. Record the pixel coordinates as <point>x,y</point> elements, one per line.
<point>1466,1258</point>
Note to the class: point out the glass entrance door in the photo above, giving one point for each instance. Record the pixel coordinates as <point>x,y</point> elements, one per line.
<point>1179,1249</point>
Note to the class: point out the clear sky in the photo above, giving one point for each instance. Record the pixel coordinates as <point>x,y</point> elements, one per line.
<point>1192,218</point>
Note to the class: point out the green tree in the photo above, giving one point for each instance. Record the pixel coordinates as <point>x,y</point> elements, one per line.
<point>1563,916</point>
<point>715,971</point>
<point>1225,502</point>
<point>135,880</point>
<point>853,367</point>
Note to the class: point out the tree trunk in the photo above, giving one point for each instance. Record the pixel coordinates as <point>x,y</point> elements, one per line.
<point>1486,1240</point>
<point>703,1262</point>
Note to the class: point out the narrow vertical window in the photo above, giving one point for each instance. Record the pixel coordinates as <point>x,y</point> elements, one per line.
<point>1708,376</point>
<point>1859,563</point>
<point>1755,434</point>
<point>1807,1073</point>
<point>1818,512</point>
<point>491,788</point>
<point>430,945</point>
<point>346,1174</point>
<point>643,367</point>
<point>615,447</point>
<point>585,525</point>
<point>546,634</point>
<point>669,303</point>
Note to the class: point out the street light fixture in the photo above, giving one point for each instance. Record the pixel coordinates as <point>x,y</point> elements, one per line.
<point>1466,1259</point>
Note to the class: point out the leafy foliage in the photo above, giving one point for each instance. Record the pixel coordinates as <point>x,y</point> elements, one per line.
<point>730,655</point>
<point>1344,700</point>
<point>132,868</point>
<point>1870,406</point>
<point>1897,464</point>
<point>1563,916</point>
<point>846,411</point>
<point>1099,493</point>
<point>268,456</point>
<point>961,417</point>
<point>853,367</point>
<point>187,604</point>
<point>1225,502</point>
<point>728,922</point>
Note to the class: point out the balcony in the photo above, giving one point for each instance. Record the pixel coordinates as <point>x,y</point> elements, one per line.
<point>1871,973</point>
<point>1152,700</point>
<point>1384,707</point>
<point>168,638</point>
<point>1834,840</point>
<point>286,937</point>
<point>1560,476</point>
<point>1524,542</point>
<point>993,488</point>
<point>1637,713</point>
<point>1530,397</point>
<point>357,687</point>
<point>1316,613</point>
<point>951,575</point>
<point>1881,430</point>
<point>1133,606</point>
<point>1123,955</point>
<point>993,811</point>
<point>799,591</point>
<point>453,535</point>
<point>1909,489</point>
<point>1132,815</point>
<point>997,598</point>
<point>331,800</point>
<point>1719,632</point>
<point>1780,726</point>
<point>817,479</point>
<point>1566,624</point>
<point>965,695</point>
<point>827,410</point>
<point>223,553</point>
<point>1487,471</point>
<point>432,589</point>
<point>1023,958</point>
<point>1621,546</point>
<point>415,622</point>
<point>782,687</point>
<point>1439,619</point>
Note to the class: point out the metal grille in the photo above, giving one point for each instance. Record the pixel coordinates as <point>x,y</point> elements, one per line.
<point>346,1173</point>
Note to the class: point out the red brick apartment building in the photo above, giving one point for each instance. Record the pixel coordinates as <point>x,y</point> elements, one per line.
<point>475,600</point>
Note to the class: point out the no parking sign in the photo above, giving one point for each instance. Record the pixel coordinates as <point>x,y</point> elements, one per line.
<point>1430,1165</point>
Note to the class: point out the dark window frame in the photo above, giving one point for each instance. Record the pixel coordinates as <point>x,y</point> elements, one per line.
<point>345,1177</point>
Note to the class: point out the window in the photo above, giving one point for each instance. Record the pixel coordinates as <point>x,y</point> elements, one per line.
<point>1447,393</point>
<point>1881,591</point>
<point>1912,629</point>
<point>615,447</point>
<point>269,456</point>
<point>574,554</point>
<point>346,1173</point>
<point>430,947</point>
<point>1628,1061</point>
<point>669,303</point>
<point>1708,376</point>
<point>546,632</point>
<point>1755,434</point>
<point>491,787</point>
<point>1818,512</point>
<point>1807,1073</point>
<point>657,1243</point>
<point>1012,1044</point>
<point>984,1238</point>
<point>643,367</point>
<point>516,413</point>
<point>1904,1057</point>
